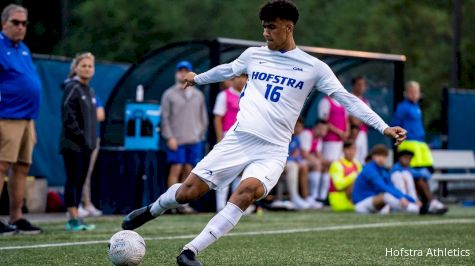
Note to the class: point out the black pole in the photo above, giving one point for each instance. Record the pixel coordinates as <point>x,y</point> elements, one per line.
<point>456,66</point>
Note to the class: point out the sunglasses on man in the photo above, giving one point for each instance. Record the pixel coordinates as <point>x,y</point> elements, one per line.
<point>18,22</point>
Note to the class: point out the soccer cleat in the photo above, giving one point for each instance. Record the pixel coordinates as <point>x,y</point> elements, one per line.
<point>137,218</point>
<point>300,203</point>
<point>7,230</point>
<point>24,227</point>
<point>437,207</point>
<point>75,225</point>
<point>187,258</point>
<point>313,203</point>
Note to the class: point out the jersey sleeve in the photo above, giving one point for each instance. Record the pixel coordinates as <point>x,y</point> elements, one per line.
<point>327,82</point>
<point>331,86</point>
<point>220,104</point>
<point>359,109</point>
<point>225,71</point>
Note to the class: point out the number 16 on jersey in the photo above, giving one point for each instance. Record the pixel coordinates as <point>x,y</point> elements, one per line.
<point>273,93</point>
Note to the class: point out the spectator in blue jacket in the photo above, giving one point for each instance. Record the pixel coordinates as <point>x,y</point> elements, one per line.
<point>373,188</point>
<point>409,116</point>
<point>20,90</point>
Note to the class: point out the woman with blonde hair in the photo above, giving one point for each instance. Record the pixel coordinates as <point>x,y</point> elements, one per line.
<point>78,137</point>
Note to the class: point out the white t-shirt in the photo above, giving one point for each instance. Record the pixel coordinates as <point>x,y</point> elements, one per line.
<point>277,88</point>
<point>220,106</point>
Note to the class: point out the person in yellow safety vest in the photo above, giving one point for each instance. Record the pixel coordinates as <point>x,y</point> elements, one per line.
<point>343,174</point>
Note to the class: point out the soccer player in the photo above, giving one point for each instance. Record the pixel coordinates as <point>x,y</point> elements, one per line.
<point>280,77</point>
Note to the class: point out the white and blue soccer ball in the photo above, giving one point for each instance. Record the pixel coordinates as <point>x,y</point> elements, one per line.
<point>126,248</point>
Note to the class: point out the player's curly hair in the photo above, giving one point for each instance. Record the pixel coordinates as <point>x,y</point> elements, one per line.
<point>283,9</point>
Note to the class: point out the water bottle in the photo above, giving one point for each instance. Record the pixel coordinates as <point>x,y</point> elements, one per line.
<point>139,93</point>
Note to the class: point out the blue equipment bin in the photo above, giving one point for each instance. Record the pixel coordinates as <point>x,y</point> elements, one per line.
<point>142,120</point>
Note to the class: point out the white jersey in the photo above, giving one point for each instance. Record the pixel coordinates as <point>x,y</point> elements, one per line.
<point>277,87</point>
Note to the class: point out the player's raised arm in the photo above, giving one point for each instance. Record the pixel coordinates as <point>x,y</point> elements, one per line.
<point>221,72</point>
<point>329,84</point>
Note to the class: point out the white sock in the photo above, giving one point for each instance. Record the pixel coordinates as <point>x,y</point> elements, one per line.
<point>392,201</point>
<point>166,201</point>
<point>292,180</point>
<point>313,178</point>
<point>324,186</point>
<point>218,226</point>
<point>221,198</point>
<point>412,208</point>
<point>396,204</point>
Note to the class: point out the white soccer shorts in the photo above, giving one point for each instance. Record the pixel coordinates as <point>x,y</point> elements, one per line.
<point>332,150</point>
<point>365,206</point>
<point>241,152</point>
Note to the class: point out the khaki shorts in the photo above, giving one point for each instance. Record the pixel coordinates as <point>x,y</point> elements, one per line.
<point>17,140</point>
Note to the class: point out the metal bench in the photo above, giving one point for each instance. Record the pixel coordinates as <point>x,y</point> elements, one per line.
<point>452,160</point>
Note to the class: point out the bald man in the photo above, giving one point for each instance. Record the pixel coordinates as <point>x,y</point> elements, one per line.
<point>409,116</point>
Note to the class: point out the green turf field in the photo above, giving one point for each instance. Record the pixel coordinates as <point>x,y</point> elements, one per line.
<point>274,238</point>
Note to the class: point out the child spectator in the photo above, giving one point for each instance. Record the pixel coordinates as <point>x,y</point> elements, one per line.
<point>404,177</point>
<point>343,174</point>
<point>373,188</point>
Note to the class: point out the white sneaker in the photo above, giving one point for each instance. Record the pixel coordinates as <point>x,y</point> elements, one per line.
<point>289,205</point>
<point>82,212</point>
<point>93,211</point>
<point>437,207</point>
<point>280,204</point>
<point>300,203</point>
<point>313,203</point>
<point>385,210</point>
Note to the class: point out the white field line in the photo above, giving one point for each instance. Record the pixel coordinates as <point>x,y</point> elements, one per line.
<point>257,233</point>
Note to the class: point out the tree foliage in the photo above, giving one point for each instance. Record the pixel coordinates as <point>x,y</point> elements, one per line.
<point>124,30</point>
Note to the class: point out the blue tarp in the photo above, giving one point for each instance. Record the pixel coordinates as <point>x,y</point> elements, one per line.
<point>461,119</point>
<point>47,162</point>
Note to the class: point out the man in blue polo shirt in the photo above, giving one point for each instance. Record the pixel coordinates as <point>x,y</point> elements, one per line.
<point>20,89</point>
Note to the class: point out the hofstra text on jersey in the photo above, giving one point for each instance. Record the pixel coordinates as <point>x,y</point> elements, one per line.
<point>276,79</point>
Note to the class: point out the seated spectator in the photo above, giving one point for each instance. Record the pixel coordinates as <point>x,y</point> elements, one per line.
<point>401,174</point>
<point>373,188</point>
<point>296,171</point>
<point>404,178</point>
<point>343,174</point>
<point>311,148</point>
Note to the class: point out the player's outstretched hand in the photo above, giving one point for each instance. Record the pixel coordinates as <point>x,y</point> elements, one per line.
<point>397,133</point>
<point>189,79</point>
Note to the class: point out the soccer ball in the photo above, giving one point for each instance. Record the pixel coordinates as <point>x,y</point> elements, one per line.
<point>126,248</point>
